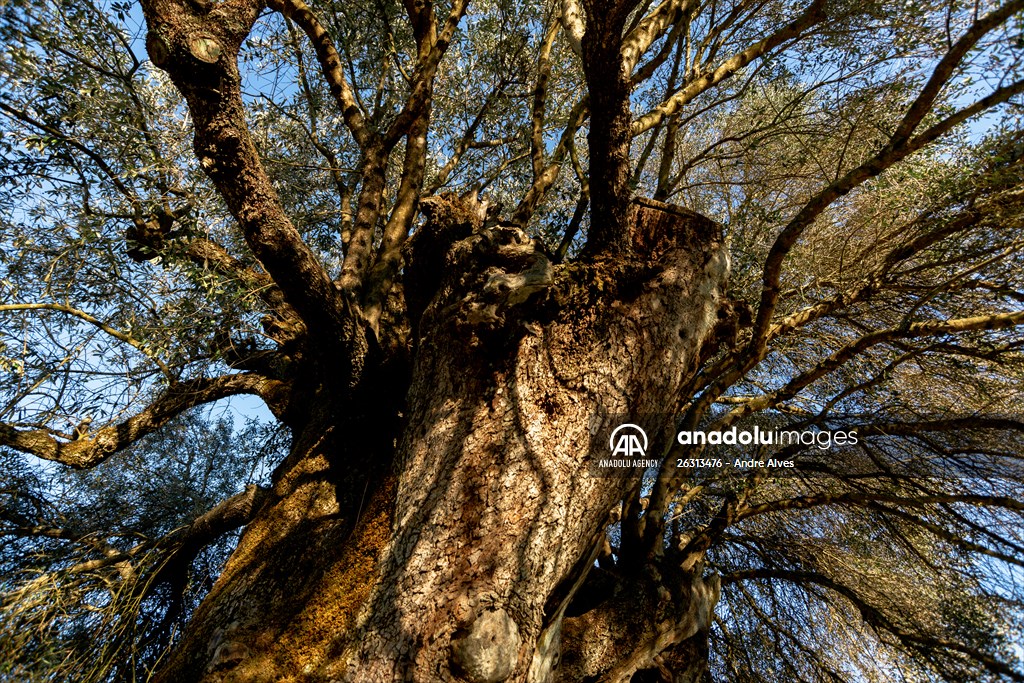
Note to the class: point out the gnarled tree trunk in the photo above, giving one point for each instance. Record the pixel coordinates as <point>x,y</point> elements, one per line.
<point>468,560</point>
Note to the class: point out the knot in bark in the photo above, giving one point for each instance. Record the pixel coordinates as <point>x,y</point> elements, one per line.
<point>487,651</point>
<point>486,270</point>
<point>503,268</point>
<point>205,48</point>
<point>519,268</point>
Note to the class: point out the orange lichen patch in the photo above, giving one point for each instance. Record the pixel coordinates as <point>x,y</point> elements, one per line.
<point>346,584</point>
<point>303,495</point>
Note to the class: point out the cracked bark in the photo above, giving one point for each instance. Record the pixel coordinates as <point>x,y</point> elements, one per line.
<point>447,546</point>
<point>446,569</point>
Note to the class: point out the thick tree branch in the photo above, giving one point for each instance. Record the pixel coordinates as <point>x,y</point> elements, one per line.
<point>97,445</point>
<point>609,88</point>
<point>199,49</point>
<point>540,96</point>
<point>396,230</point>
<point>672,13</point>
<point>359,245</point>
<point>330,66</point>
<point>418,102</point>
<point>187,542</point>
<point>424,24</point>
<point>412,123</point>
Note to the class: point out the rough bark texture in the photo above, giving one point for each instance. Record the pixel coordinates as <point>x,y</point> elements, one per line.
<point>460,566</point>
<point>609,136</point>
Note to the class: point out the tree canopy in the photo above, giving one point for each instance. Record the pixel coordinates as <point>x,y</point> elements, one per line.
<point>201,201</point>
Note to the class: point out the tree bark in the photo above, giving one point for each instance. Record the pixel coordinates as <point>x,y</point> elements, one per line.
<point>609,86</point>
<point>458,563</point>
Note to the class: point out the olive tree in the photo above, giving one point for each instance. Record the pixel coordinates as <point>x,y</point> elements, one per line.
<point>451,247</point>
